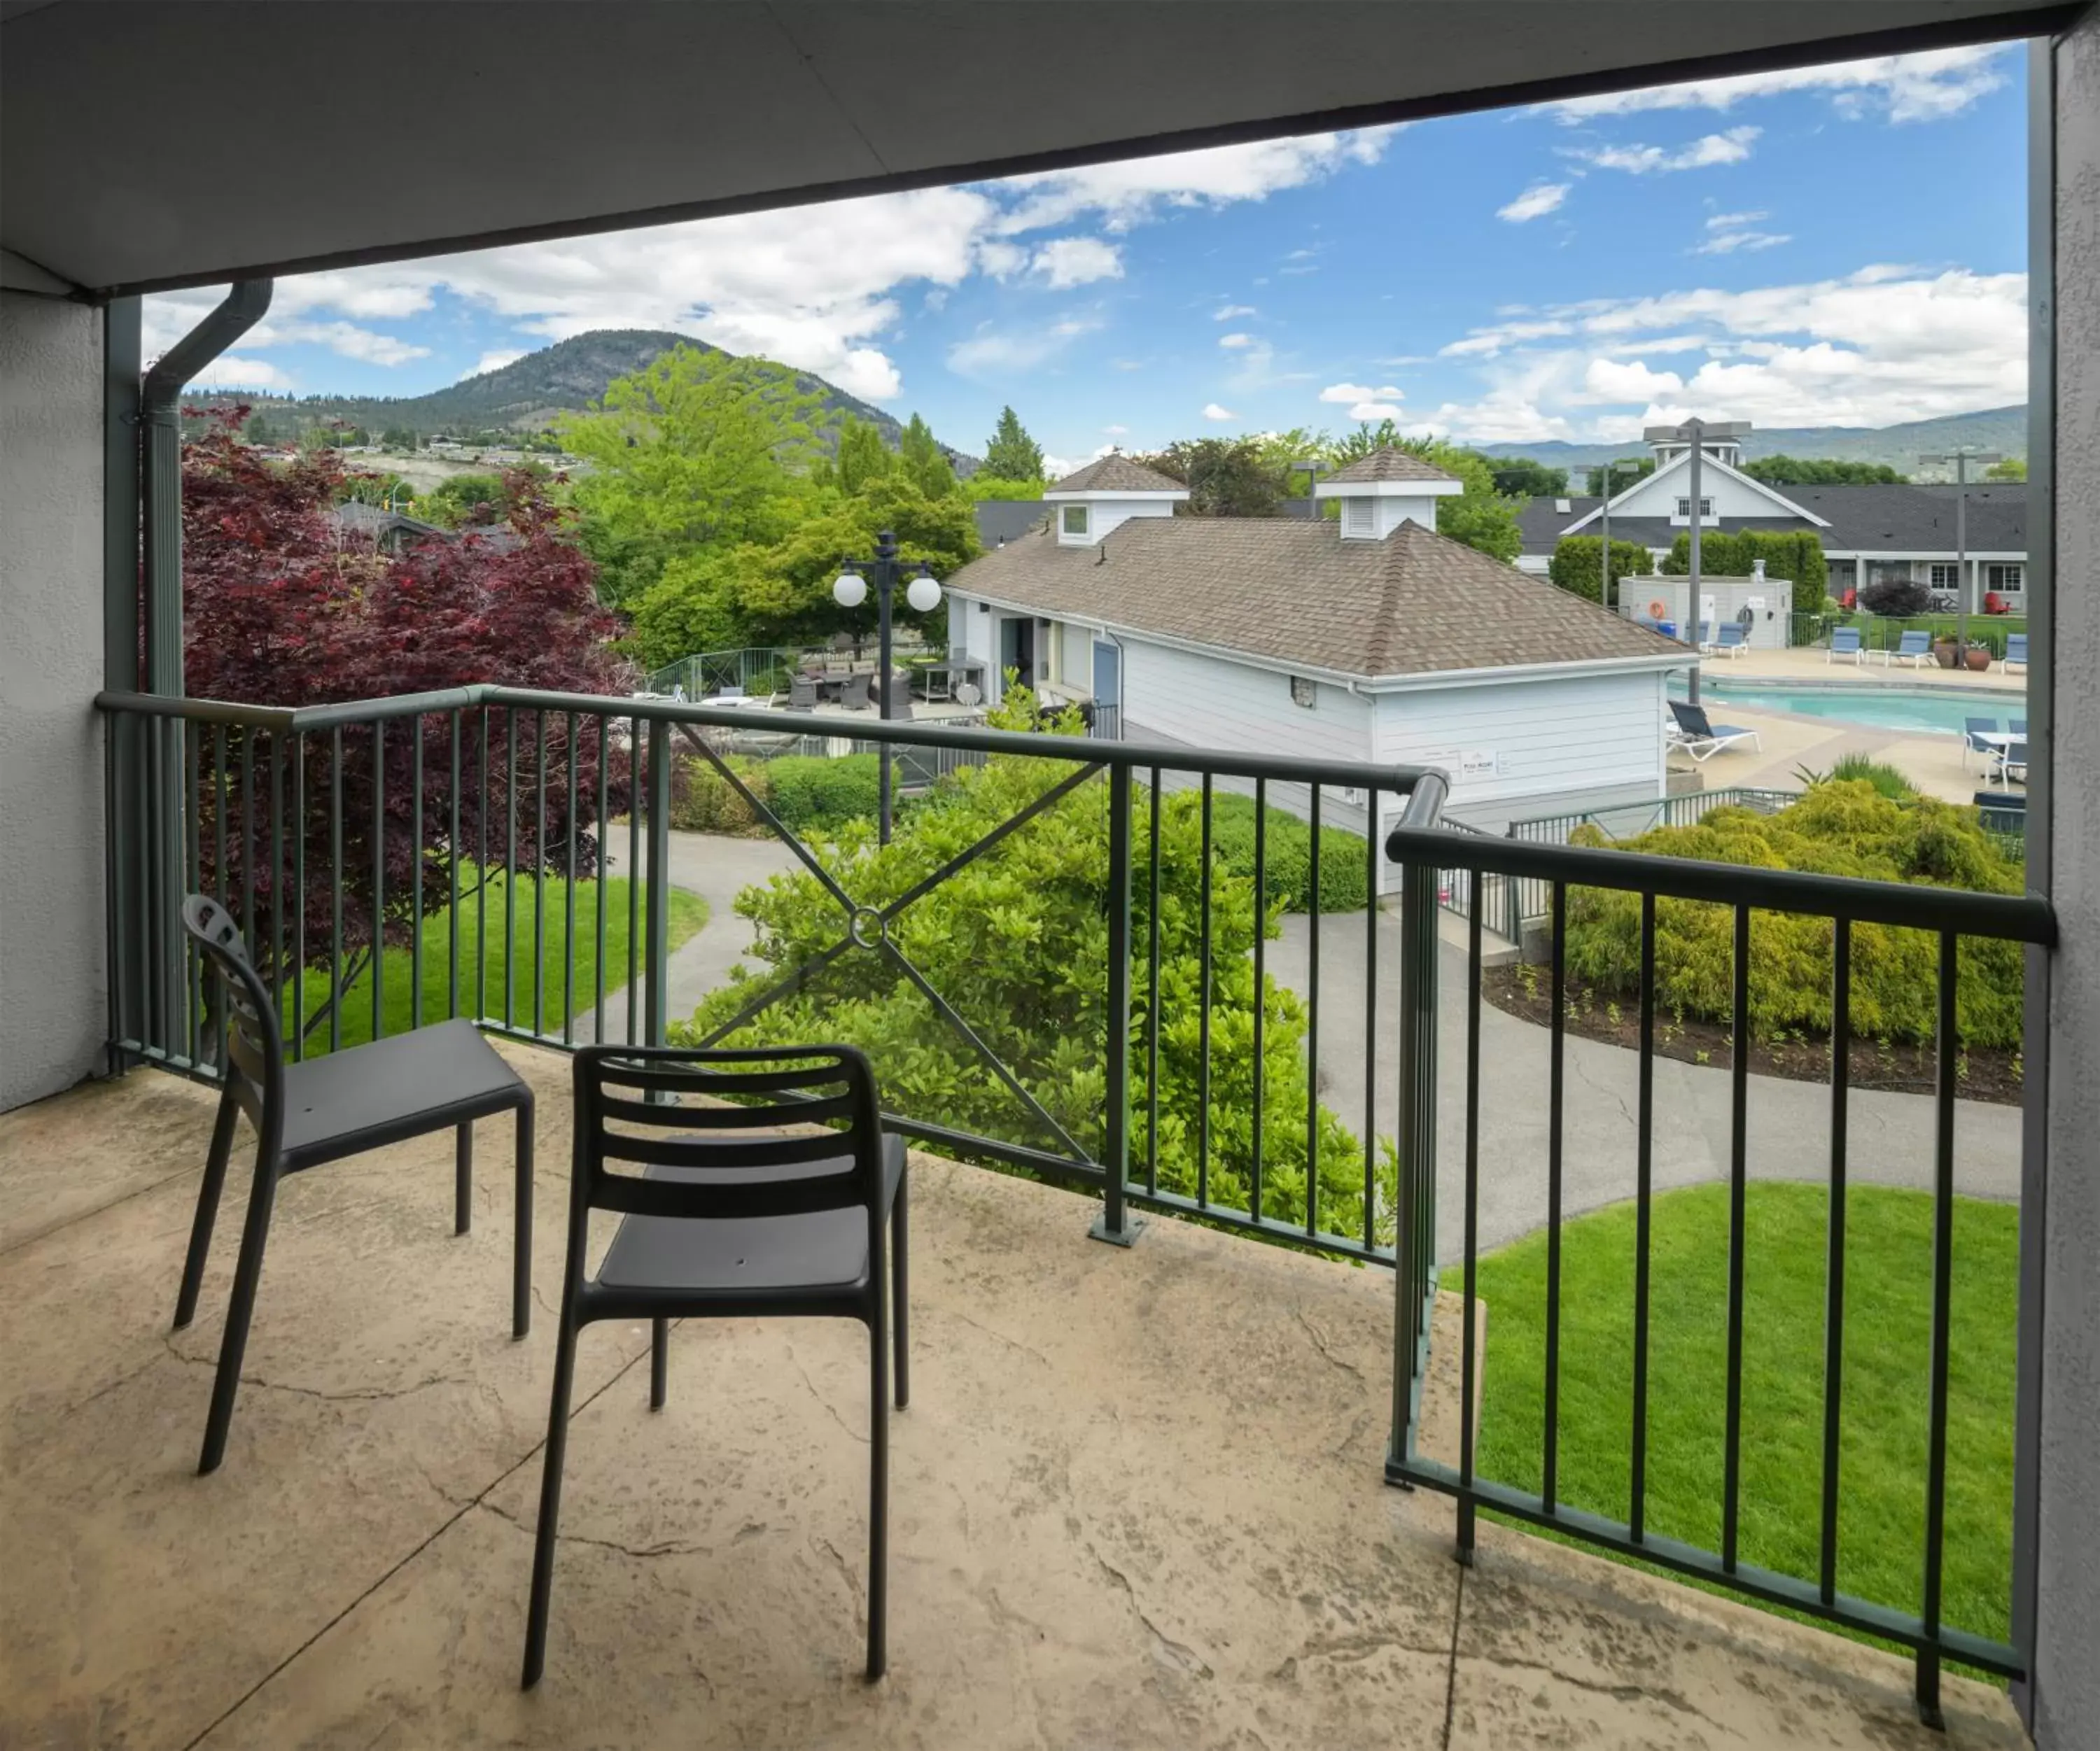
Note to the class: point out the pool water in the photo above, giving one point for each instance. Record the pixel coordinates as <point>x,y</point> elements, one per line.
<point>1876,708</point>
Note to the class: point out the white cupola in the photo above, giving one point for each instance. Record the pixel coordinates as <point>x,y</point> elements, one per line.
<point>1385,489</point>
<point>1086,505</point>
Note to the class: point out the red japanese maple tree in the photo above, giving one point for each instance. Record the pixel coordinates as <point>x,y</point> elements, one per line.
<point>283,605</point>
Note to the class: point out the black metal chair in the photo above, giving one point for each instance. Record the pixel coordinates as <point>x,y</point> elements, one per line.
<point>435,1078</point>
<point>745,1223</point>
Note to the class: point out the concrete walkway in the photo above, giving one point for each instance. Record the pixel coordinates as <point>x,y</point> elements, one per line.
<point>1890,1140</point>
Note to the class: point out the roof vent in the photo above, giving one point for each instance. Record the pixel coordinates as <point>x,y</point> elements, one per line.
<point>1563,505</point>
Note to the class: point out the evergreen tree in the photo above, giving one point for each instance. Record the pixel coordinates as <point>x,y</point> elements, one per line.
<point>925,466</point>
<point>862,457</point>
<point>1011,454</point>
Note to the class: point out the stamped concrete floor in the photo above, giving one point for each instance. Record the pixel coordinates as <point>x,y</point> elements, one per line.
<point>1136,1497</point>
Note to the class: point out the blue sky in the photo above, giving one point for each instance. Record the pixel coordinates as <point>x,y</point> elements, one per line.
<point>1835,246</point>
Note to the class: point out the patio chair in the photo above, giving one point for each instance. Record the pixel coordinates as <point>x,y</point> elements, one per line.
<point>2016,651</point>
<point>2011,757</point>
<point>1706,639</point>
<point>1845,642</point>
<point>2018,726</point>
<point>1735,640</point>
<point>802,693</point>
<point>327,1109</point>
<point>729,1218</point>
<point>854,691</point>
<point>1973,730</point>
<point>1701,738</point>
<point>1914,648</point>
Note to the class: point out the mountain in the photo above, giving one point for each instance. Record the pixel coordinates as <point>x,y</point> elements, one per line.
<point>526,394</point>
<point>2004,430</point>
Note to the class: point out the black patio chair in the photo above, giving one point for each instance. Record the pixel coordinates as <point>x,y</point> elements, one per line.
<point>435,1078</point>
<point>729,1219</point>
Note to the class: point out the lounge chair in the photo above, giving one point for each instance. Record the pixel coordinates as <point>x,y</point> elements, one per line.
<point>1735,640</point>
<point>1973,730</point>
<point>1915,648</point>
<point>1706,640</point>
<point>2016,651</point>
<point>1701,738</point>
<point>2014,756</point>
<point>2018,726</point>
<point>1845,641</point>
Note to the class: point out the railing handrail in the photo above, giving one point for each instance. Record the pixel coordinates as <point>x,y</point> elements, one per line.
<point>1425,787</point>
<point>2018,918</point>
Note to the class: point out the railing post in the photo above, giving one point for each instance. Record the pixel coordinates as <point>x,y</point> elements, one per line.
<point>656,873</point>
<point>1415,1239</point>
<point>1115,1223</point>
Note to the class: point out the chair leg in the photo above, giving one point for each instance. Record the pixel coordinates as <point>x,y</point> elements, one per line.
<point>659,1362</point>
<point>463,1180</point>
<point>207,1209</point>
<point>900,1285</point>
<point>240,1308</point>
<point>878,1491</point>
<point>521,1244</point>
<point>550,1501</point>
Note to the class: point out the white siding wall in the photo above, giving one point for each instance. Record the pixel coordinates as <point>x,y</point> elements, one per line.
<point>1107,514</point>
<point>1078,669</point>
<point>1209,702</point>
<point>1658,496</point>
<point>1768,631</point>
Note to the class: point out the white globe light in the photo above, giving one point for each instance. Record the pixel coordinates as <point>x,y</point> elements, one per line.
<point>925,594</point>
<point>851,589</point>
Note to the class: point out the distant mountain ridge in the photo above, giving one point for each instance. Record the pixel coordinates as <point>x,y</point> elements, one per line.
<point>528,393</point>
<point>2004,430</point>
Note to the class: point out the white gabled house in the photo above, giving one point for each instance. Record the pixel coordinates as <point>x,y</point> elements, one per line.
<point>1365,637</point>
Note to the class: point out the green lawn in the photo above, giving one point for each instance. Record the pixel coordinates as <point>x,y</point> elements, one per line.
<point>1888,1287</point>
<point>689,911</point>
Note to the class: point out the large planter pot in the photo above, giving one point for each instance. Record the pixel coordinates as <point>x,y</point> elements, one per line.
<point>1947,652</point>
<point>1977,658</point>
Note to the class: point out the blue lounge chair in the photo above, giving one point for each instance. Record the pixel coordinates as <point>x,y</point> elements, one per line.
<point>1735,640</point>
<point>2016,650</point>
<point>2018,726</point>
<point>1845,641</point>
<point>1915,647</point>
<point>1705,635</point>
<point>1701,738</point>
<point>1973,730</point>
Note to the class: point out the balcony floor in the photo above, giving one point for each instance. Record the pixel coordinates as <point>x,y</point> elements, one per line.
<point>1137,1499</point>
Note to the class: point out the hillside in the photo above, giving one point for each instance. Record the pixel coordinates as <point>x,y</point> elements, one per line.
<point>526,394</point>
<point>2004,430</point>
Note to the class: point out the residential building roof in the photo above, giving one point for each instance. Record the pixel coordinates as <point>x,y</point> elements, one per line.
<point>1294,592</point>
<point>1870,519</point>
<point>1387,464</point>
<point>1116,473</point>
<point>1007,519</point>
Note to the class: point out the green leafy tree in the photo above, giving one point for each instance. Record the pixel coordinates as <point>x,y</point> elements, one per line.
<point>1018,941</point>
<point>1524,478</point>
<point>1011,454</point>
<point>1798,471</point>
<point>1575,565</point>
<point>463,502</point>
<point>863,456</point>
<point>1226,477</point>
<point>980,487</point>
<point>1480,516</point>
<point>924,464</point>
<point>1365,440</point>
<point>1795,555</point>
<point>2013,468</point>
<point>695,450</point>
<point>1608,479</point>
<point>398,438</point>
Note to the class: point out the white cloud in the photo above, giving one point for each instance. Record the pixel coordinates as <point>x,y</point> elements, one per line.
<point>1729,242</point>
<point>1487,342</point>
<point>1347,392</point>
<point>1057,467</point>
<point>1609,379</point>
<point>230,370</point>
<point>1730,221</point>
<point>1116,431</point>
<point>1068,261</point>
<point>1374,411</point>
<point>1926,87</point>
<point>1732,147</point>
<point>991,352</point>
<point>368,345</point>
<point>1212,411</point>
<point>1535,202</point>
<point>494,361</point>
<point>1235,343</point>
<point>1000,259</point>
<point>1226,312</point>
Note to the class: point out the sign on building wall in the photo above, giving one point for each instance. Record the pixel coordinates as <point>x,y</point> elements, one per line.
<point>1465,764</point>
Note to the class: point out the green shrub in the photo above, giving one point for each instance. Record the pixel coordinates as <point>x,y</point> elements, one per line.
<point>1287,856</point>
<point>703,802</point>
<point>1837,828</point>
<point>1574,565</point>
<point>1795,556</point>
<point>811,790</point>
<point>1887,780</point>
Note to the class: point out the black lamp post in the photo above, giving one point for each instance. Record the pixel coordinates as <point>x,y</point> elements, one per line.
<point>851,591</point>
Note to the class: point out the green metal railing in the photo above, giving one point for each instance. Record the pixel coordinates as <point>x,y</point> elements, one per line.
<point>1427,857</point>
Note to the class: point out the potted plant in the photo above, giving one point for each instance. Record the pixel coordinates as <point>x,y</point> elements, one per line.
<point>1977,657</point>
<point>1947,652</point>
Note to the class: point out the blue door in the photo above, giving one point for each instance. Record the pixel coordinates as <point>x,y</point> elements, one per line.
<point>1107,675</point>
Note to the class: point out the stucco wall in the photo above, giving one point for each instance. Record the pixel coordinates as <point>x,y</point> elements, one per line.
<point>50,667</point>
<point>2068,1615</point>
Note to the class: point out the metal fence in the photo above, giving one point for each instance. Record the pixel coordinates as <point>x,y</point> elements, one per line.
<point>1884,631</point>
<point>1630,820</point>
<point>1949,916</point>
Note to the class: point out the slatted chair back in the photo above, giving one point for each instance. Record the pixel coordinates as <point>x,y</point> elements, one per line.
<point>254,1050</point>
<point>723,1131</point>
<point>1845,640</point>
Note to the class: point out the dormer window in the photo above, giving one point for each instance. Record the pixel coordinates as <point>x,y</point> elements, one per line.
<point>1358,516</point>
<point>1076,519</point>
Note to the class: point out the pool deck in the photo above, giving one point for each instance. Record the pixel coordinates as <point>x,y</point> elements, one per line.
<point>1806,667</point>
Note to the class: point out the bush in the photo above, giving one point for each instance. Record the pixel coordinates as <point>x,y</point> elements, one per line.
<point>1896,595</point>
<point>1287,855</point>
<point>1574,565</point>
<point>1793,556</point>
<point>703,802</point>
<point>1837,828</point>
<point>811,790</point>
<point>1887,780</point>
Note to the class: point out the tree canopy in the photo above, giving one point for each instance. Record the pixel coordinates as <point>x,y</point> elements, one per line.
<point>1608,479</point>
<point>2013,468</point>
<point>1524,478</point>
<point>1010,453</point>
<point>1799,471</point>
<point>925,464</point>
<point>1226,477</point>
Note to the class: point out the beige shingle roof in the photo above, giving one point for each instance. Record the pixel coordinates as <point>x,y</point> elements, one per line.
<point>1387,465</point>
<point>1292,591</point>
<point>1116,473</point>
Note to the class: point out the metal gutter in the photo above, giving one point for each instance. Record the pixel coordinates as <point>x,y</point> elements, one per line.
<point>160,419</point>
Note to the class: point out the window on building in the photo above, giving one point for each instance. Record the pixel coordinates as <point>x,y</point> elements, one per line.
<point>2004,577</point>
<point>1303,692</point>
<point>1944,577</point>
<point>1076,518</point>
<point>1706,509</point>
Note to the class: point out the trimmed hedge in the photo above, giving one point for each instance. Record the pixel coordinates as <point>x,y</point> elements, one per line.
<point>1288,857</point>
<point>1574,567</point>
<point>811,790</point>
<point>1795,557</point>
<point>703,802</point>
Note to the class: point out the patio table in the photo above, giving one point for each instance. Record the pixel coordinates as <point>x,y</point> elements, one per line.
<point>951,670</point>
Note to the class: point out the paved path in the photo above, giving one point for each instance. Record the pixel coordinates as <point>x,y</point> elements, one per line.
<point>1890,1134</point>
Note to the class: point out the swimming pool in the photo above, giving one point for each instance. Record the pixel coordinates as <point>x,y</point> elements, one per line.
<point>1914,708</point>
